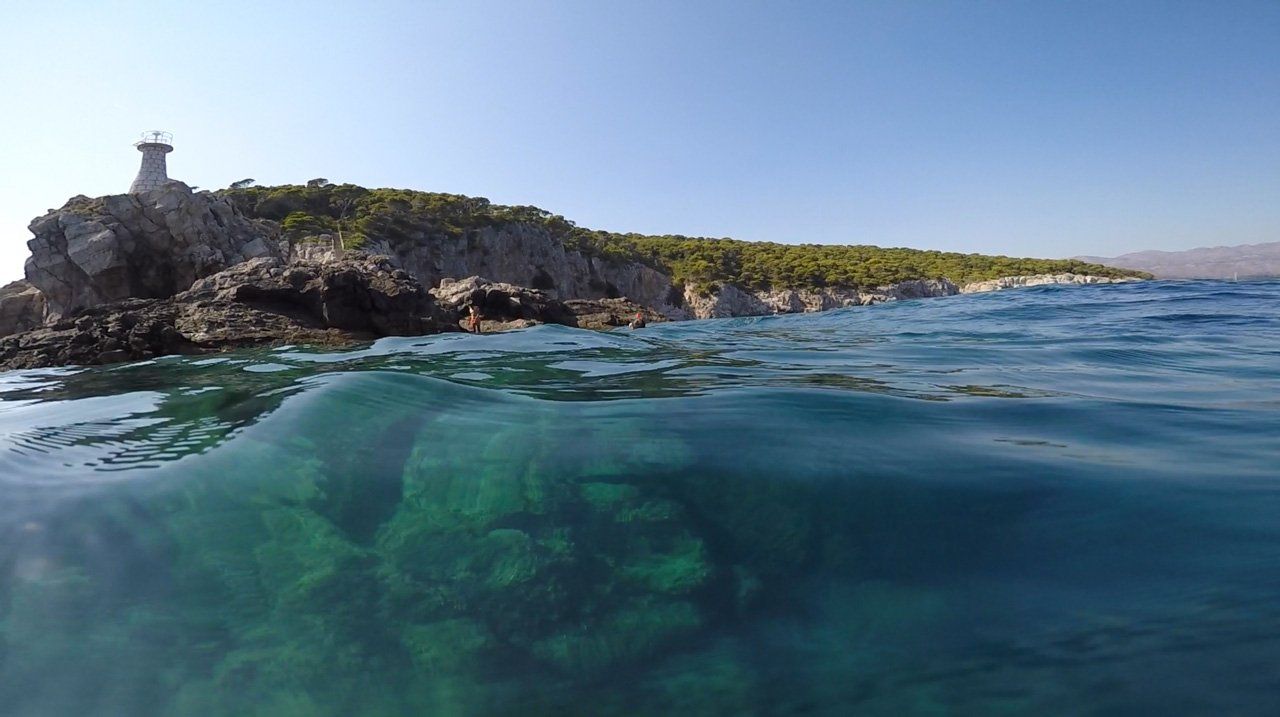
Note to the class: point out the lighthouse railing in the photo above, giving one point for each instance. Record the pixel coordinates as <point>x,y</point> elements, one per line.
<point>156,137</point>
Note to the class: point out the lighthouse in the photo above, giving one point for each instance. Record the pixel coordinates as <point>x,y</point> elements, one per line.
<point>152,174</point>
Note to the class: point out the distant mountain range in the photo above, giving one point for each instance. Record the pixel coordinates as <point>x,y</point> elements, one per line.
<point>1247,261</point>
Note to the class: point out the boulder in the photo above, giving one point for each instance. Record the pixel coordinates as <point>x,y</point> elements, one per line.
<point>150,245</point>
<point>22,307</point>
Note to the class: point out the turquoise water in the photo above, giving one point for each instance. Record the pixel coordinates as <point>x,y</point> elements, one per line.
<point>1044,501</point>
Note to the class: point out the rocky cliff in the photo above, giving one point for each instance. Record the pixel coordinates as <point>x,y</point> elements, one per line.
<point>172,270</point>
<point>522,255</point>
<point>525,256</point>
<point>436,236</point>
<point>150,245</point>
<point>530,256</point>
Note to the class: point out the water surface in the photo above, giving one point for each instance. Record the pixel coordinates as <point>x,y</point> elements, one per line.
<point>1044,501</point>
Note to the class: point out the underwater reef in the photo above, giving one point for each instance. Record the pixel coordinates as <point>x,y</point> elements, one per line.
<point>473,564</point>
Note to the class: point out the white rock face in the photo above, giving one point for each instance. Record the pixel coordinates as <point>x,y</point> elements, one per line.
<point>323,250</point>
<point>1014,282</point>
<point>913,289</point>
<point>797,301</point>
<point>529,256</point>
<point>148,245</point>
<point>725,301</point>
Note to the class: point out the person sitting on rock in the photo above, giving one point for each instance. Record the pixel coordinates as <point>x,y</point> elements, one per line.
<point>638,321</point>
<point>473,320</point>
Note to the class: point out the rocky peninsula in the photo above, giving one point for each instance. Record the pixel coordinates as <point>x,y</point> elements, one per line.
<point>175,271</point>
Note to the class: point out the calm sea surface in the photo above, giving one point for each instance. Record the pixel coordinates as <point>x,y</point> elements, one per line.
<point>1044,501</point>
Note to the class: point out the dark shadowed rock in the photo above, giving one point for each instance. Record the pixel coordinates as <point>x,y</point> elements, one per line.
<point>506,306</point>
<point>150,245</point>
<point>262,301</point>
<point>502,306</point>
<point>362,294</point>
<point>608,313</point>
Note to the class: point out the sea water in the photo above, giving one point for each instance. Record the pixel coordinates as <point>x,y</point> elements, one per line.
<point>1044,501</point>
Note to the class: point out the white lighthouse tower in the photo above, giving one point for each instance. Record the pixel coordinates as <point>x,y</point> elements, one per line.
<point>152,174</point>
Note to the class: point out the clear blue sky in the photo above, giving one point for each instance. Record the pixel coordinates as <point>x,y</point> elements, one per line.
<point>1029,128</point>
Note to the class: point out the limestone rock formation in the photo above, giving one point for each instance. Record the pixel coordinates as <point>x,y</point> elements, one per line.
<point>797,301</point>
<point>727,300</point>
<point>262,301</point>
<point>903,290</point>
<point>22,307</point>
<point>524,255</point>
<point>915,289</point>
<point>723,301</point>
<point>150,245</point>
<point>1013,282</point>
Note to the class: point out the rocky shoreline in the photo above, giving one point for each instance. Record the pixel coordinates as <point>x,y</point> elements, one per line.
<point>267,301</point>
<point>172,271</point>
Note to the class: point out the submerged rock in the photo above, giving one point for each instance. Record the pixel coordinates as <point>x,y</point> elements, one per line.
<point>578,575</point>
<point>400,538</point>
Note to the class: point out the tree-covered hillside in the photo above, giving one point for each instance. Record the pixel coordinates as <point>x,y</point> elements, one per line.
<point>400,216</point>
